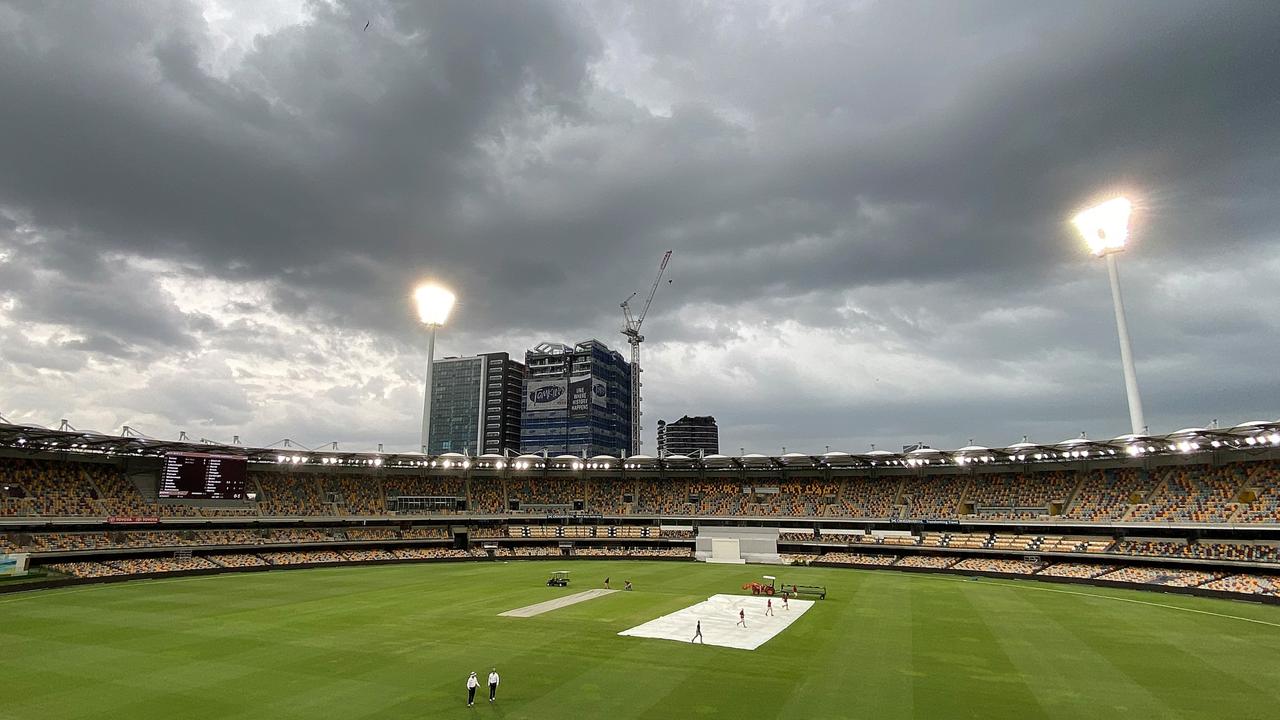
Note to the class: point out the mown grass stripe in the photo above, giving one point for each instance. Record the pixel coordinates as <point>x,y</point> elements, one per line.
<point>397,641</point>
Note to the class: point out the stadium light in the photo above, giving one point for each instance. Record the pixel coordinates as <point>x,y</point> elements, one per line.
<point>434,304</point>
<point>1105,229</point>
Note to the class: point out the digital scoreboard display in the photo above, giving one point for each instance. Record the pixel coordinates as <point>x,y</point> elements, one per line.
<point>197,476</point>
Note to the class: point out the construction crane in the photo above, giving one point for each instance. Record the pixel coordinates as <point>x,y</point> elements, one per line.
<point>632,330</point>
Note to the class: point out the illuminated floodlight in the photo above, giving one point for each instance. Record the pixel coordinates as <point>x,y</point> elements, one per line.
<point>434,303</point>
<point>1105,228</point>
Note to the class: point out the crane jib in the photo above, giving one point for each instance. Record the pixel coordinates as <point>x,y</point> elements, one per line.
<point>631,329</point>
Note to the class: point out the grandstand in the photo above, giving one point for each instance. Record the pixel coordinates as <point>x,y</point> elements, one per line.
<point>1198,512</point>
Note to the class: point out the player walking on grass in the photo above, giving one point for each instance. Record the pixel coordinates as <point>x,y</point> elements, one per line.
<point>742,618</point>
<point>472,684</point>
<point>493,684</point>
<point>698,635</point>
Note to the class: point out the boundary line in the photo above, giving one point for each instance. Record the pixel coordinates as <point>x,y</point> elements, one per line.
<point>98,586</point>
<point>1122,599</point>
<point>986,581</point>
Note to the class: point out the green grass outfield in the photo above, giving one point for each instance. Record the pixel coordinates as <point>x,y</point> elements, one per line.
<point>397,641</point>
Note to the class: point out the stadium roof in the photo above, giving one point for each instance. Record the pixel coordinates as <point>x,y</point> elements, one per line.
<point>1253,436</point>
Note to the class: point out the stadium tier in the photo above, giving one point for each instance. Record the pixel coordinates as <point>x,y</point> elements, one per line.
<point>1210,526</point>
<point>1232,493</point>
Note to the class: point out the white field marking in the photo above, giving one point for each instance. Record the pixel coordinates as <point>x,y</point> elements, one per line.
<point>556,604</point>
<point>1120,599</point>
<point>719,617</point>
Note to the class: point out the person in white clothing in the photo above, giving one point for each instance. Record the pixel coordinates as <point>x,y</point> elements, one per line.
<point>493,684</point>
<point>472,684</point>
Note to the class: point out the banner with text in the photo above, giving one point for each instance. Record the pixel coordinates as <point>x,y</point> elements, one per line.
<point>580,395</point>
<point>546,395</point>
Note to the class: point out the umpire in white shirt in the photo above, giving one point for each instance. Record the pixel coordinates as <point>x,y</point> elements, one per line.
<point>472,684</point>
<point>493,684</point>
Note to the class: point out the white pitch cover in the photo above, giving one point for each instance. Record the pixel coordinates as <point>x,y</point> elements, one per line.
<point>719,617</point>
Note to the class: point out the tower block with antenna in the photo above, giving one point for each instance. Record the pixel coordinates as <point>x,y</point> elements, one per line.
<point>632,330</point>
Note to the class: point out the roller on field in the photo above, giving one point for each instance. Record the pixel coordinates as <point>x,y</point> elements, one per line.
<point>769,585</point>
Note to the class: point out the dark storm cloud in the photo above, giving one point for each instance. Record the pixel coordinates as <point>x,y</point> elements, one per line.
<point>117,308</point>
<point>1174,99</point>
<point>324,141</point>
<point>898,171</point>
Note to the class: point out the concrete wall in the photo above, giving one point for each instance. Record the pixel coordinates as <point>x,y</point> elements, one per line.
<point>756,544</point>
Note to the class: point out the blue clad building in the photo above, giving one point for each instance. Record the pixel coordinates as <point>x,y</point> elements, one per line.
<point>576,400</point>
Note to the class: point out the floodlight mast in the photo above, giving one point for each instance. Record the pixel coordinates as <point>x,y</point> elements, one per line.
<point>1105,229</point>
<point>631,328</point>
<point>434,304</point>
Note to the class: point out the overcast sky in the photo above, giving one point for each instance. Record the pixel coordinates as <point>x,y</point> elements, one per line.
<point>212,214</point>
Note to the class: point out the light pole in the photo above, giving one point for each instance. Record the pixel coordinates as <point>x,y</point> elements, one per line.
<point>434,303</point>
<point>1105,229</point>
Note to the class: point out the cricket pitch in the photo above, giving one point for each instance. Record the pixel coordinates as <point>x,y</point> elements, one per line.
<point>719,616</point>
<point>556,604</point>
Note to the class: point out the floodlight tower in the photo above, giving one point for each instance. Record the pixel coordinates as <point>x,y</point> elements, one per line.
<point>434,303</point>
<point>632,330</point>
<point>1105,229</point>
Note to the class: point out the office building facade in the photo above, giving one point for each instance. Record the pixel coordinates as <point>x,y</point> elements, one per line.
<point>577,400</point>
<point>475,404</point>
<point>689,436</point>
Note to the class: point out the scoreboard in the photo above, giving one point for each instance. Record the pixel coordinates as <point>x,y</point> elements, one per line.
<point>197,476</point>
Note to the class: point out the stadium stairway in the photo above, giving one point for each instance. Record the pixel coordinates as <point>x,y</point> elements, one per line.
<point>1070,501</point>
